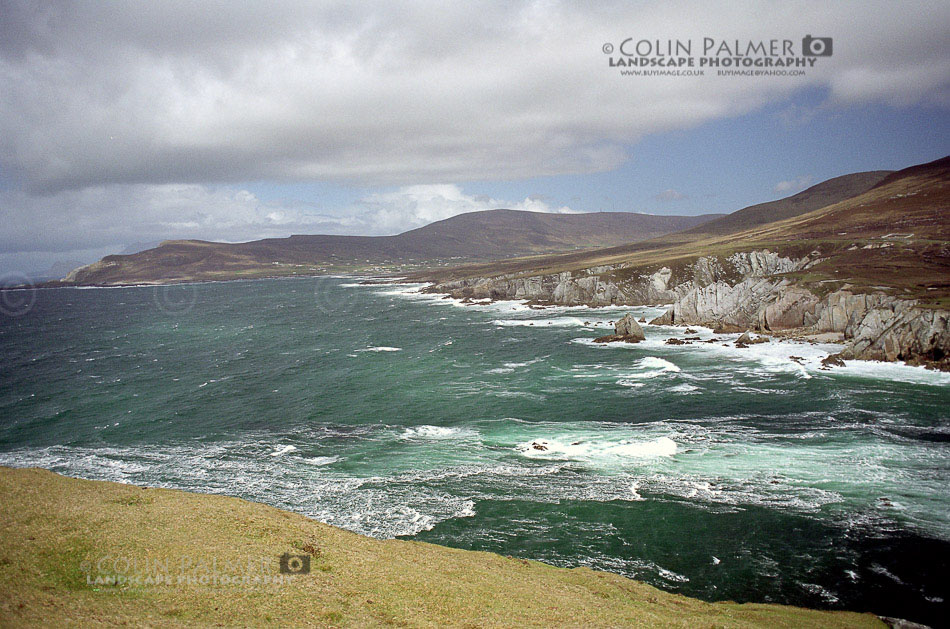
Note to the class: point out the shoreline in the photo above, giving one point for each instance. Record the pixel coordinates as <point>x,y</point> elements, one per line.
<point>64,533</point>
<point>750,291</point>
<point>57,284</point>
<point>795,335</point>
<point>430,287</point>
<point>433,287</point>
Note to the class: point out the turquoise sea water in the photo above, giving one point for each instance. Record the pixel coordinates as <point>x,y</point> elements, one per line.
<point>711,471</point>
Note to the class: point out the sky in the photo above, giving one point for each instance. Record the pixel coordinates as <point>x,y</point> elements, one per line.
<point>127,123</point>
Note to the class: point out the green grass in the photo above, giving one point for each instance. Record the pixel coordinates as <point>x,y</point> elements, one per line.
<point>56,530</point>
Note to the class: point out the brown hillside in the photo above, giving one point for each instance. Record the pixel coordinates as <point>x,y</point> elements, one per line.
<point>485,235</point>
<point>895,235</point>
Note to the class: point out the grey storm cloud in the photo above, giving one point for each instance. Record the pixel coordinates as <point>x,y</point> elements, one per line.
<point>101,93</point>
<point>132,121</point>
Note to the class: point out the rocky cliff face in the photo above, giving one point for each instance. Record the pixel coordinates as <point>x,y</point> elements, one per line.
<point>874,326</point>
<point>80,274</point>
<point>745,291</point>
<point>587,287</point>
<point>595,286</point>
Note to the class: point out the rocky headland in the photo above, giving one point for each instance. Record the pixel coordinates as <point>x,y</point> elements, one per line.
<point>863,260</point>
<point>755,290</point>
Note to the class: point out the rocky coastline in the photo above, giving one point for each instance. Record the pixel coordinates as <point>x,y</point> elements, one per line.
<point>746,291</point>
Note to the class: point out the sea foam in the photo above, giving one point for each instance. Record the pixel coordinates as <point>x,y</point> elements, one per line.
<point>598,451</point>
<point>283,450</point>
<point>437,432</point>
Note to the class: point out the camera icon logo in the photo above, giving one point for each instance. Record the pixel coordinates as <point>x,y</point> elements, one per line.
<point>294,564</point>
<point>816,46</point>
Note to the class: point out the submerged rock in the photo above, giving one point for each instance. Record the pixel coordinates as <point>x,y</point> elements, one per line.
<point>832,360</point>
<point>615,338</point>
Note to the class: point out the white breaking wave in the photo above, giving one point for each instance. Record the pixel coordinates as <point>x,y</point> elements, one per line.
<point>635,491</point>
<point>381,348</point>
<point>893,372</point>
<point>684,388</point>
<point>659,363</point>
<point>662,364</point>
<point>322,460</point>
<point>560,322</point>
<point>516,394</point>
<point>598,451</point>
<point>511,367</point>
<point>614,344</point>
<point>381,516</point>
<point>633,384</point>
<point>283,450</point>
<point>524,364</point>
<point>437,432</point>
<point>669,575</point>
<point>654,367</point>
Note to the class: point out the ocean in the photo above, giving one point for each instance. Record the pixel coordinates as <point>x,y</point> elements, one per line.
<point>704,469</point>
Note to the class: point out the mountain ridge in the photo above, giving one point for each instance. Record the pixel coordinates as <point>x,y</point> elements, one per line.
<point>483,235</point>
<point>819,195</point>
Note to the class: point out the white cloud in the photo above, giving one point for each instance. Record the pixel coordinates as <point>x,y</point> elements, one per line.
<point>670,195</point>
<point>179,91</point>
<point>796,184</point>
<point>106,215</point>
<point>100,216</point>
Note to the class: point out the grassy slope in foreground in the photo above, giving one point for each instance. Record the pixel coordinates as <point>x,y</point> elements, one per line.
<point>51,524</point>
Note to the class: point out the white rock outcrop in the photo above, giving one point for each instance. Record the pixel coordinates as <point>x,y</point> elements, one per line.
<point>746,291</point>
